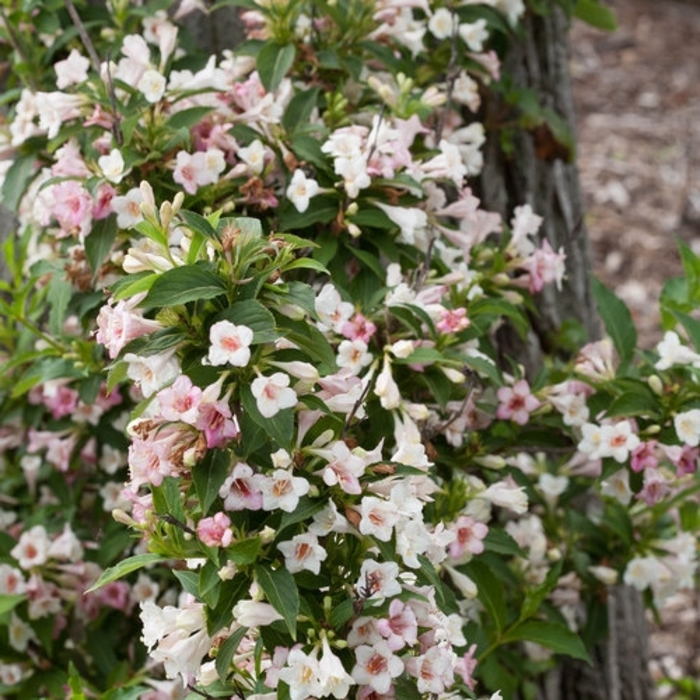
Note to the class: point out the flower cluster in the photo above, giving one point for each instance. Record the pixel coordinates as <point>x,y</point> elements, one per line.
<point>338,486</point>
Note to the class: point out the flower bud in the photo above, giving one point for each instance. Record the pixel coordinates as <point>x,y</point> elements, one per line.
<point>491,461</point>
<point>656,385</point>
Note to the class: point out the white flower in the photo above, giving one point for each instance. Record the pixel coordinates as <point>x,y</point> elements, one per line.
<point>353,355</point>
<point>687,425</point>
<point>71,70</point>
<point>618,487</point>
<point>302,675</point>
<point>273,394</point>
<point>411,221</point>
<point>253,156</point>
<point>333,677</point>
<point>229,344</point>
<point>128,208</point>
<point>32,548</point>
<point>551,487</point>
<point>281,490</point>
<point>474,35</point>
<point>303,552</point>
<point>301,189</point>
<point>112,166</point>
<point>152,372</point>
<point>618,440</point>
<point>441,23</point>
<point>386,388</point>
<point>378,579</point>
<point>378,517</point>
<point>376,666</point>
<point>152,85</point>
<point>641,572</point>
<point>19,633</point>
<point>507,494</point>
<point>254,613</point>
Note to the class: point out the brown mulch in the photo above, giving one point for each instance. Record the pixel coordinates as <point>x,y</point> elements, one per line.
<point>637,92</point>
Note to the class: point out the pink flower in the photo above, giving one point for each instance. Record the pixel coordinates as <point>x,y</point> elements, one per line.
<point>400,628</point>
<point>33,547</point>
<point>215,531</point>
<point>239,490</point>
<point>644,456</point>
<point>516,402</point>
<point>180,401</point>
<point>466,665</point>
<point>303,552</point>
<point>358,328</point>
<point>452,320</point>
<point>273,394</point>
<point>72,207</point>
<point>433,670</point>
<point>545,266</point>
<point>470,534</point>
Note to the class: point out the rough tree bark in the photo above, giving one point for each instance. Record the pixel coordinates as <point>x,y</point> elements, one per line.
<point>539,60</point>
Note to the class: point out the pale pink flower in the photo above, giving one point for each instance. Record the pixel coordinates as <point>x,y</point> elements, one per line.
<point>150,460</point>
<point>71,70</point>
<point>230,344</point>
<point>516,402</point>
<point>151,372</point>
<point>215,419</point>
<point>655,487</point>
<point>215,531</point>
<point>470,534</point>
<point>72,207</point>
<point>376,666</point>
<point>447,164</point>
<point>303,552</point>
<point>400,628</point>
<point>363,631</point>
<point>239,490</point>
<point>273,394</point>
<point>544,266</point>
<point>32,549</point>
<point>180,401</point>
<point>119,324</point>
<point>66,547</point>
<point>434,670</point>
<point>281,490</point>
<point>617,486</point>
<point>525,223</point>
<point>617,440</point>
<point>343,467</point>
<point>597,360</point>
<point>465,667</point>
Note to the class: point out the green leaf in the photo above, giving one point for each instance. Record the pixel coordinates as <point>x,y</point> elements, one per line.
<point>279,427</point>
<point>226,652</point>
<point>244,551</point>
<point>17,178</point>
<point>187,118</point>
<point>126,567</point>
<point>421,356</point>
<point>60,293</point>
<point>595,14</point>
<point>43,370</point>
<point>299,109</point>
<point>552,635</point>
<point>617,319</point>
<point>500,542</point>
<point>489,591</point>
<point>253,314</point>
<point>273,62</point>
<point>306,508</point>
<point>305,264</point>
<point>281,592</point>
<point>323,211</point>
<point>208,476</point>
<point>100,241</point>
<point>10,601</point>
<point>692,327</point>
<point>308,148</point>
<point>209,584</point>
<point>184,284</point>
<point>231,592</point>
<point>634,404</point>
<point>535,596</point>
<point>444,596</point>
<point>199,224</point>
<point>311,341</point>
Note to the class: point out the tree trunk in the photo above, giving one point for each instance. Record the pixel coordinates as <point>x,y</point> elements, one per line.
<point>539,60</point>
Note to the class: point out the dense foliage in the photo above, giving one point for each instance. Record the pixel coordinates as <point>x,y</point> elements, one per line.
<point>258,438</point>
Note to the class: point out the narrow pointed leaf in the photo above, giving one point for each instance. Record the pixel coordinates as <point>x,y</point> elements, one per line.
<point>281,592</point>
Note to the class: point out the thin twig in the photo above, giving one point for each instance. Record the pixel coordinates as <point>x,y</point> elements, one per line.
<point>451,76</point>
<point>87,42</point>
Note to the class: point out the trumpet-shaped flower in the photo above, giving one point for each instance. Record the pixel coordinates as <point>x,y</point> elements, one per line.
<point>273,394</point>
<point>303,552</point>
<point>230,344</point>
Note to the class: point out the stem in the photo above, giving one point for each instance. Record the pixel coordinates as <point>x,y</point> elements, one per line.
<point>451,74</point>
<point>36,330</point>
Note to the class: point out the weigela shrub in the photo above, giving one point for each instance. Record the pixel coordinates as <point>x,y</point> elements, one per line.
<point>250,311</point>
